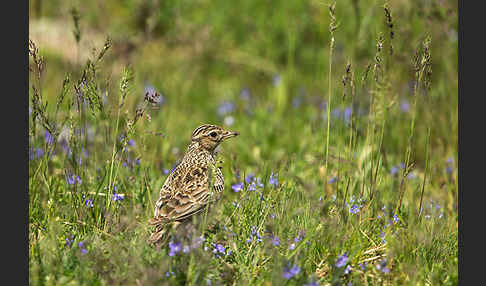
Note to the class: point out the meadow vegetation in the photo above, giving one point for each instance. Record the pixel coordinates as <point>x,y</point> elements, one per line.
<point>344,173</point>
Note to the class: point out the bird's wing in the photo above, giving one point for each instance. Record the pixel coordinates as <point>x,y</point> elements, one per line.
<point>185,193</point>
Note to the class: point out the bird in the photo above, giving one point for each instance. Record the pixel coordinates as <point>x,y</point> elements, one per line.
<point>194,183</point>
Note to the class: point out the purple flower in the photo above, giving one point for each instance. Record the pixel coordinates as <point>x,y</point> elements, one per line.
<point>299,237</point>
<point>225,108</point>
<point>219,250</point>
<point>132,143</point>
<point>197,242</point>
<point>165,171</point>
<point>249,178</point>
<point>174,248</point>
<point>290,272</point>
<point>354,209</point>
<point>254,233</point>
<point>48,138</point>
<point>276,241</point>
<point>39,152</point>
<point>186,249</point>
<point>395,218</point>
<point>259,183</point>
<point>273,179</point>
<point>297,101</point>
<point>347,270</point>
<point>292,246</point>
<point>237,187</point>
<point>88,203</point>
<point>73,179</point>
<point>394,170</point>
<point>82,247</point>
<point>277,79</point>
<point>168,274</point>
<point>117,197</point>
<point>364,266</point>
<point>411,176</point>
<point>382,236</point>
<point>70,240</point>
<point>382,266</point>
<point>449,170</point>
<point>348,111</point>
<point>404,105</point>
<point>252,187</point>
<point>332,180</point>
<point>245,94</point>
<point>342,260</point>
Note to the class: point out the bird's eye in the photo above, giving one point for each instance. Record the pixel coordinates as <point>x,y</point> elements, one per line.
<point>213,134</point>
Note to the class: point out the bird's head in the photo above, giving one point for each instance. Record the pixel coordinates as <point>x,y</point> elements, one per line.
<point>209,136</point>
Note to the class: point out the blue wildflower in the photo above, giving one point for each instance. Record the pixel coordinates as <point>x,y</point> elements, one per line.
<point>299,236</point>
<point>277,79</point>
<point>245,94</point>
<point>404,105</point>
<point>395,218</point>
<point>70,240</point>
<point>132,143</point>
<point>39,152</point>
<point>73,180</point>
<point>292,246</point>
<point>394,170</point>
<point>48,137</point>
<point>273,179</point>
<point>88,203</point>
<point>117,197</point>
<point>354,209</point>
<point>290,272</point>
<point>347,270</point>
<point>296,101</point>
<point>382,266</point>
<point>168,274</point>
<point>254,234</point>
<point>342,260</point>
<point>249,178</point>
<point>332,180</point>
<point>259,183</point>
<point>174,248</point>
<point>449,170</point>
<point>363,266</point>
<point>382,236</point>
<point>276,241</point>
<point>237,187</point>
<point>225,108</point>
<point>82,247</point>
<point>348,112</point>
<point>219,250</point>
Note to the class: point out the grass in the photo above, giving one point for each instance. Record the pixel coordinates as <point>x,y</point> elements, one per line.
<point>353,109</point>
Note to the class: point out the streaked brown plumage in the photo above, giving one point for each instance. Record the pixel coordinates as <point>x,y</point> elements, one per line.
<point>193,184</point>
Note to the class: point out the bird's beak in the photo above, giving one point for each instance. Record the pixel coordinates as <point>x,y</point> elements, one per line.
<point>229,134</point>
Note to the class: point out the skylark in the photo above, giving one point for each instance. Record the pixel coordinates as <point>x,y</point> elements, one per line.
<point>193,184</point>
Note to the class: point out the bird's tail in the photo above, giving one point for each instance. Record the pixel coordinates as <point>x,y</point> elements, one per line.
<point>161,233</point>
